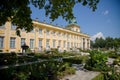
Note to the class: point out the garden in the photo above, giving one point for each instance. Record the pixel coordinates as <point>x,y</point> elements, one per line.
<point>46,66</point>
<point>38,66</point>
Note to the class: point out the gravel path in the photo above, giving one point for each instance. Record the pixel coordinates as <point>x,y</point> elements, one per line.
<point>82,75</point>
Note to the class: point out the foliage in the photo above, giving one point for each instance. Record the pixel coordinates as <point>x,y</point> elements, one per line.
<point>117,61</point>
<point>12,58</point>
<point>47,70</point>
<point>112,54</point>
<point>108,75</point>
<point>22,76</point>
<point>6,74</point>
<point>97,60</point>
<point>76,59</point>
<point>107,43</point>
<point>18,12</point>
<point>28,50</point>
<point>99,77</point>
<point>8,58</point>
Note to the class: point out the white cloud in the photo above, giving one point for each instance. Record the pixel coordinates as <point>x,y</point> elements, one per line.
<point>98,35</point>
<point>105,12</point>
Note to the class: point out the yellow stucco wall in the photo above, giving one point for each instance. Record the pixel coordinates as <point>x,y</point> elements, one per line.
<point>65,36</point>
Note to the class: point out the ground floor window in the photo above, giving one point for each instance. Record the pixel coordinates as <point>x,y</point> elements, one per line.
<point>31,43</point>
<point>12,42</point>
<point>54,43</point>
<point>40,42</point>
<point>47,43</point>
<point>64,44</point>
<point>22,41</point>
<point>59,43</point>
<point>1,41</point>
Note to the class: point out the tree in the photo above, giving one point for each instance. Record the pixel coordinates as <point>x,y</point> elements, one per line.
<point>107,43</point>
<point>18,11</point>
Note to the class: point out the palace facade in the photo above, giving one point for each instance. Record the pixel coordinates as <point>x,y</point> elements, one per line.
<point>44,36</point>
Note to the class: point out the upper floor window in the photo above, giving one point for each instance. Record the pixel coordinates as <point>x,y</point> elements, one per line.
<point>12,42</point>
<point>47,32</point>
<point>53,33</point>
<point>1,41</point>
<point>59,34</point>
<point>40,31</point>
<point>13,27</point>
<point>83,39</point>
<point>77,30</point>
<point>65,35</point>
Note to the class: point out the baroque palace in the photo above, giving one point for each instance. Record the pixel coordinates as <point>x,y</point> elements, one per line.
<point>43,36</point>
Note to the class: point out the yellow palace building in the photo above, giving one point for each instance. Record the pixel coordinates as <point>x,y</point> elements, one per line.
<point>44,36</point>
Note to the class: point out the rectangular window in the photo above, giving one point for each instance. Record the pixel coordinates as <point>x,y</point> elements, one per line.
<point>59,43</point>
<point>71,44</point>
<point>68,44</point>
<point>31,43</point>
<point>12,42</point>
<point>59,34</point>
<point>54,43</point>
<point>40,42</point>
<point>47,43</point>
<point>71,36</point>
<point>22,41</point>
<point>47,32</point>
<point>13,27</point>
<point>40,31</point>
<point>53,33</point>
<point>64,35</point>
<point>74,44</point>
<point>64,44</point>
<point>1,41</point>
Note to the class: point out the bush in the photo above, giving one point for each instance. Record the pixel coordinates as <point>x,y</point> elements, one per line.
<point>22,76</point>
<point>97,60</point>
<point>8,58</point>
<point>37,71</point>
<point>117,61</point>
<point>112,55</point>
<point>73,60</point>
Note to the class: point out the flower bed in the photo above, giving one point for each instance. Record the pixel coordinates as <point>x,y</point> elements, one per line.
<point>46,70</point>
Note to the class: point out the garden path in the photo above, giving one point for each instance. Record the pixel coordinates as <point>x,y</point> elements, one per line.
<point>81,74</point>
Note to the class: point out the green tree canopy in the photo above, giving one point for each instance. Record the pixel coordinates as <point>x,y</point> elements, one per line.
<point>107,43</point>
<point>18,11</point>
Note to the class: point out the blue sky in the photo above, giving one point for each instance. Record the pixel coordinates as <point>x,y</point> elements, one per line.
<point>106,19</point>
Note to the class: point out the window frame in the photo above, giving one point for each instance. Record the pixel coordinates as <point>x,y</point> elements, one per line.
<point>12,42</point>
<point>1,42</point>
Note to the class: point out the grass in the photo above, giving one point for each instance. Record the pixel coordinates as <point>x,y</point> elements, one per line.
<point>99,77</point>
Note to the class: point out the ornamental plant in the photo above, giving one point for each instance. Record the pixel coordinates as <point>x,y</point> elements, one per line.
<point>97,60</point>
